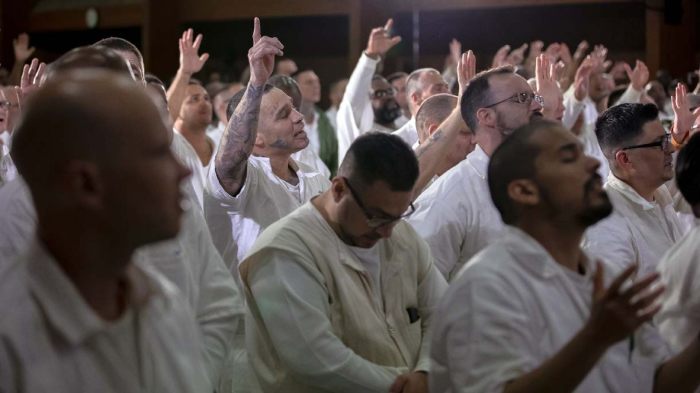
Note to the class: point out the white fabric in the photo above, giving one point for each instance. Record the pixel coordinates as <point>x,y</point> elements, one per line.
<point>679,319</point>
<point>637,230</point>
<point>371,261</point>
<point>311,159</point>
<point>189,158</point>
<point>189,261</point>
<point>408,132</point>
<point>401,120</point>
<point>317,327</point>
<point>311,130</point>
<point>456,216</point>
<point>215,133</point>
<point>332,114</point>
<point>572,109</point>
<point>511,309</point>
<point>52,341</point>
<point>355,114</point>
<point>235,222</point>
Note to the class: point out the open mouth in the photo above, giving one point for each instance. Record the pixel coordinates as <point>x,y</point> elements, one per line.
<point>299,133</point>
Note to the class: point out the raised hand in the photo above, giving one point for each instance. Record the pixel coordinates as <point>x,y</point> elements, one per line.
<point>683,117</point>
<point>565,54</point>
<point>190,60</point>
<point>380,41</point>
<point>22,49</point>
<point>517,56</point>
<point>455,51</point>
<point>617,313</point>
<point>582,78</point>
<point>262,55</point>
<point>32,75</point>
<point>466,69</point>
<point>499,58</point>
<point>580,52</point>
<point>639,76</point>
<point>547,85</point>
<point>553,51</point>
<point>535,50</point>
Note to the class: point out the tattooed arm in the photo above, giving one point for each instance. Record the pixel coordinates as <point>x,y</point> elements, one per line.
<point>239,137</point>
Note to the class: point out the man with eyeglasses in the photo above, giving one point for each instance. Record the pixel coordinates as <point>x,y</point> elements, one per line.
<point>341,291</point>
<point>455,214</point>
<point>369,102</point>
<point>645,224</point>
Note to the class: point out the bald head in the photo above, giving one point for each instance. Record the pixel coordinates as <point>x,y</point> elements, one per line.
<point>104,157</point>
<point>421,84</point>
<point>432,112</point>
<point>95,56</point>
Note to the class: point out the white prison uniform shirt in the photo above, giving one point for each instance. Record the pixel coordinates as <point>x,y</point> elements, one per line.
<point>311,159</point>
<point>52,341</point>
<point>189,158</point>
<point>511,309</point>
<point>332,114</point>
<point>355,114</point>
<point>679,319</point>
<point>236,221</point>
<point>637,230</point>
<point>17,219</point>
<point>408,132</point>
<point>189,261</point>
<point>456,216</point>
<point>215,134</point>
<point>294,304</point>
<point>401,120</point>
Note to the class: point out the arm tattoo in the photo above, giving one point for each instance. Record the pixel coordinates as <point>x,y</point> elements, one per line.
<point>433,138</point>
<point>237,141</point>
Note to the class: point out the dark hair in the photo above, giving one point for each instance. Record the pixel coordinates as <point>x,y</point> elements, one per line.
<point>621,124</point>
<point>238,97</point>
<point>120,44</point>
<point>478,94</point>
<point>289,86</point>
<point>688,170</point>
<point>514,159</point>
<point>379,156</point>
<point>152,79</point>
<point>89,57</point>
<point>434,109</point>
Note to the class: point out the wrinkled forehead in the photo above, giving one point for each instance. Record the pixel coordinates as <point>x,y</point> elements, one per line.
<point>380,84</point>
<point>274,100</point>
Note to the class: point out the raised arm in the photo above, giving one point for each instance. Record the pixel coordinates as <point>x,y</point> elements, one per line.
<point>237,141</point>
<point>432,153</point>
<point>190,63</point>
<point>22,53</point>
<point>615,314</point>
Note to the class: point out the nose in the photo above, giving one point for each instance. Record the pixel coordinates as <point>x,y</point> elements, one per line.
<point>592,164</point>
<point>535,106</point>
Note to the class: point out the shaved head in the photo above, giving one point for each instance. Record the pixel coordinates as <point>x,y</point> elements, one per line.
<point>434,110</point>
<point>92,144</point>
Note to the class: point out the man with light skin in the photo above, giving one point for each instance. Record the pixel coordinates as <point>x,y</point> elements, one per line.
<point>220,103</point>
<point>341,291</point>
<point>398,82</point>
<point>433,112</point>
<point>286,66</point>
<point>533,312</point>
<point>129,52</point>
<point>192,121</point>
<point>189,261</point>
<point>322,138</point>
<point>645,223</point>
<point>86,306</point>
<point>335,95</point>
<point>421,84</point>
<point>455,215</point>
<point>369,103</point>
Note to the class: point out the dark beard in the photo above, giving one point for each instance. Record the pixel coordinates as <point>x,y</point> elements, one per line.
<point>387,114</point>
<point>593,214</point>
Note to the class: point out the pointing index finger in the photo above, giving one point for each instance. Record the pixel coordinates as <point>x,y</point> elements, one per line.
<point>256,30</point>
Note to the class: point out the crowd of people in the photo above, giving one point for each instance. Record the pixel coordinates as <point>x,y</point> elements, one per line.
<point>530,227</point>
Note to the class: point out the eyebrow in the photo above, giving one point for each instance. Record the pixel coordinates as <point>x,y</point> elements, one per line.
<point>279,114</point>
<point>569,147</point>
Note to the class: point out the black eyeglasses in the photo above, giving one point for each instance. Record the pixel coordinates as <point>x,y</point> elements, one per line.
<point>521,98</point>
<point>372,221</point>
<point>664,144</point>
<point>383,93</point>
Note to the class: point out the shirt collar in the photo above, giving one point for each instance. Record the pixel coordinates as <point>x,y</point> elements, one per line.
<point>59,299</point>
<point>268,167</point>
<point>479,161</point>
<point>530,253</point>
<point>628,192</point>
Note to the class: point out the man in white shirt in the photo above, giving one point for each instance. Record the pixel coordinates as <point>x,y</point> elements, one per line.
<point>397,80</point>
<point>521,318</point>
<point>190,260</point>
<point>335,95</point>
<point>341,291</point>
<point>644,224</point>
<point>433,112</point>
<point>82,316</point>
<point>420,85</point>
<point>455,215</point>
<point>369,103</point>
<point>193,117</point>
<point>679,321</point>
<point>220,103</point>
<point>254,181</point>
